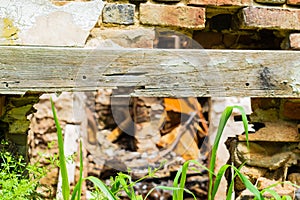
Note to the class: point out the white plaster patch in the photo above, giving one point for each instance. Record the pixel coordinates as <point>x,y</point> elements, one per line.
<point>26,13</point>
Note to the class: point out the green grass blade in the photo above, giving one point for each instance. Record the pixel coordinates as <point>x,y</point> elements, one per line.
<point>175,184</point>
<point>75,191</point>
<point>122,179</point>
<point>245,122</point>
<point>230,189</point>
<point>272,192</point>
<point>269,188</point>
<point>181,173</point>
<point>287,198</point>
<point>115,186</point>
<point>170,189</point>
<point>248,184</point>
<point>224,118</point>
<point>98,183</point>
<point>183,179</point>
<point>201,166</point>
<point>218,180</point>
<point>78,187</point>
<point>79,183</point>
<point>62,159</point>
<point>80,169</point>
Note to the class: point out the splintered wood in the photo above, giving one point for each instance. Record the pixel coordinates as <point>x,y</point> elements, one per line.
<point>183,138</point>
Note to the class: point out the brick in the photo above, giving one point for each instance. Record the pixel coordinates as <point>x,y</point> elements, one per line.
<point>276,2</point>
<point>294,40</point>
<point>118,13</point>
<point>221,2</point>
<point>269,18</point>
<point>290,109</point>
<point>293,2</point>
<point>172,15</point>
<point>133,38</point>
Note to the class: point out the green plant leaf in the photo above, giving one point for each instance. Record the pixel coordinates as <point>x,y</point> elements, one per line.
<point>62,159</point>
<point>75,191</point>
<point>286,198</point>
<point>170,189</point>
<point>217,181</point>
<point>272,192</point>
<point>231,186</point>
<point>224,118</point>
<point>175,184</point>
<point>98,183</point>
<point>245,122</point>
<point>78,186</point>
<point>183,179</point>
<point>248,184</point>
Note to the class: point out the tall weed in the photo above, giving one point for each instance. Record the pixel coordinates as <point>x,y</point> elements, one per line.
<point>123,182</point>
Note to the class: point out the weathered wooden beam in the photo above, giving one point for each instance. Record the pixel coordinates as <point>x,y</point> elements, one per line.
<point>151,72</point>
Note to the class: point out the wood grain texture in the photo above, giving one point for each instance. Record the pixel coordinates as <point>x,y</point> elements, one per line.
<point>151,72</point>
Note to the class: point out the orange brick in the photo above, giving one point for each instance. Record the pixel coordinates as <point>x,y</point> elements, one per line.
<point>290,109</point>
<point>293,2</point>
<point>172,15</point>
<point>269,18</point>
<point>294,40</point>
<point>275,2</point>
<point>221,2</point>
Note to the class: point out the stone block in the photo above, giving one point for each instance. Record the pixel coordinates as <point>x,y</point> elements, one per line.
<point>290,109</point>
<point>269,115</point>
<point>269,18</point>
<point>264,103</point>
<point>118,13</point>
<point>294,40</point>
<point>262,183</point>
<point>172,15</point>
<point>274,132</point>
<point>133,38</point>
<point>221,2</point>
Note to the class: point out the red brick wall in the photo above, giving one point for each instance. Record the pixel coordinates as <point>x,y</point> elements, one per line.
<point>225,24</point>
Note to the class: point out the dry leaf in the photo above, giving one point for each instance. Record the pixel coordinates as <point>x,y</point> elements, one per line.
<point>114,135</point>
<point>183,105</point>
<point>187,145</point>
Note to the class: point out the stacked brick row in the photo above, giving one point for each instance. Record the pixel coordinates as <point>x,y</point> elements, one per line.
<point>235,24</point>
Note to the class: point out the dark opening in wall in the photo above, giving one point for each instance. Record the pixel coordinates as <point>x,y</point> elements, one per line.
<point>221,22</point>
<point>230,39</point>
